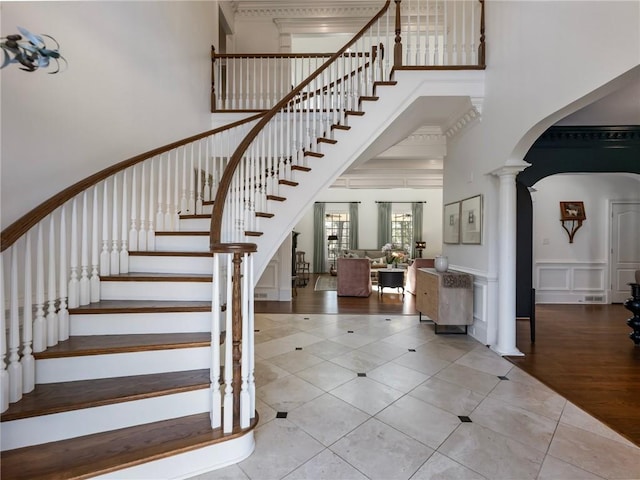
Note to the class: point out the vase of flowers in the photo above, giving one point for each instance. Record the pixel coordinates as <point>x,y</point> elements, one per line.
<point>393,255</point>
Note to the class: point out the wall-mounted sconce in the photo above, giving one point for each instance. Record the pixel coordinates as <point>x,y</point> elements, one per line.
<point>420,245</point>
<point>572,215</point>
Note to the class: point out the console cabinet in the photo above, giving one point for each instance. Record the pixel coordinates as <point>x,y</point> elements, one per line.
<point>445,297</point>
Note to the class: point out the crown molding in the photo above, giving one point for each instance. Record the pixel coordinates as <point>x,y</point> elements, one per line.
<point>305,8</point>
<point>463,121</point>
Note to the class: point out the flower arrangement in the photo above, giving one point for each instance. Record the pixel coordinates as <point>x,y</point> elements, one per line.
<point>30,51</point>
<point>393,254</point>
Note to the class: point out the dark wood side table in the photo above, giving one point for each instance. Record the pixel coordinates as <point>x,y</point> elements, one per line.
<point>390,277</point>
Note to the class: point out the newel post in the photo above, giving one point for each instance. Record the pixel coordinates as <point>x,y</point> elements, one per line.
<point>397,48</point>
<point>237,334</point>
<point>213,78</point>
<point>481,47</point>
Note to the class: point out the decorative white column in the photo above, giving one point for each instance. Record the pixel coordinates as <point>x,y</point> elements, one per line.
<point>506,345</point>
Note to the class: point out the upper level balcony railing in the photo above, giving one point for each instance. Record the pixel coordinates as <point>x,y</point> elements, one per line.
<point>423,34</point>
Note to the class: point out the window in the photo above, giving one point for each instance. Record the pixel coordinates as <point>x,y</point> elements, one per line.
<point>402,230</point>
<point>337,224</point>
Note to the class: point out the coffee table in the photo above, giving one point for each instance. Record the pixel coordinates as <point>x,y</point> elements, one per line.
<point>390,277</point>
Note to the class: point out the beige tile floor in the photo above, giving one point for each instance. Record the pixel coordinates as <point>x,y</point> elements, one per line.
<point>401,420</point>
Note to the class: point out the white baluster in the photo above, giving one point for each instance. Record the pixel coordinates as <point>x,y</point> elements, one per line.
<point>227,424</point>
<point>95,259</point>
<point>124,252</point>
<point>214,372</point>
<point>133,230</point>
<point>142,232</point>
<point>52,315</point>
<point>251,342</point>
<point>175,213</point>
<point>199,180</point>
<point>184,204</point>
<point>74,284</point>
<point>245,400</point>
<point>160,226</point>
<point>114,257</point>
<point>191,206</point>
<point>104,254</point>
<point>14,368</point>
<point>39,325</point>
<point>28,362</point>
<point>168,217</point>
<point>4,375</point>
<point>207,159</point>
<point>151,233</point>
<point>63,313</point>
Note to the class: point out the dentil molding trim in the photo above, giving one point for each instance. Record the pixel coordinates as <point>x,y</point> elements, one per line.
<point>301,9</point>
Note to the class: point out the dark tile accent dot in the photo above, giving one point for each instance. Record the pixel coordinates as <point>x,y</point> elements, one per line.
<point>412,349</point>
<point>388,319</point>
<point>502,377</point>
<point>281,415</point>
<point>256,331</point>
<point>349,331</point>
<point>362,374</point>
<point>298,348</point>
<point>306,318</point>
<point>464,419</point>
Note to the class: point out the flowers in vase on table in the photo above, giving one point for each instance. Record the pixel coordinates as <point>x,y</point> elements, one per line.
<point>393,254</point>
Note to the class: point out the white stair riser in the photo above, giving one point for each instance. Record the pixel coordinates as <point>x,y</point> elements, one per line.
<point>182,243</point>
<point>192,463</point>
<point>195,224</point>
<point>207,209</point>
<point>177,264</point>
<point>139,323</point>
<point>115,290</point>
<point>60,426</point>
<point>68,369</point>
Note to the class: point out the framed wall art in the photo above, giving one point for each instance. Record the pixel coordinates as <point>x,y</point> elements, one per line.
<point>471,220</point>
<point>451,223</point>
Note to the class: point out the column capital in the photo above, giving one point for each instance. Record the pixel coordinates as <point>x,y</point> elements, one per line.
<point>510,168</point>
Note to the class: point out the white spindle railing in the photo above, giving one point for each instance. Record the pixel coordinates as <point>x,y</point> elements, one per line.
<point>434,33</point>
<point>307,114</point>
<point>89,236</point>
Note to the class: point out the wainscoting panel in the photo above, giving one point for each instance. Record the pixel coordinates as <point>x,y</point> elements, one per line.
<point>571,282</point>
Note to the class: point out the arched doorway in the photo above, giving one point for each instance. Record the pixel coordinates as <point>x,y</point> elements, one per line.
<point>566,150</point>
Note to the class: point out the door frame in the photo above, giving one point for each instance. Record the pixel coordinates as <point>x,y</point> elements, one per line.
<point>609,246</point>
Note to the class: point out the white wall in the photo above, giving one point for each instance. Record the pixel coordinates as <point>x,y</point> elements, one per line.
<point>138,78</point>
<point>368,216</point>
<point>567,272</point>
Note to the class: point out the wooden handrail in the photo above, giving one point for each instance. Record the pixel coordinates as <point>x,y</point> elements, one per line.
<point>21,226</point>
<point>225,182</point>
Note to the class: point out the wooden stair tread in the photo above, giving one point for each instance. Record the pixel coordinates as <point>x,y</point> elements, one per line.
<point>300,168</point>
<point>327,140</point>
<point>101,453</point>
<point>276,198</point>
<point>200,215</point>
<point>156,253</point>
<point>337,126</point>
<point>356,113</point>
<point>369,98</point>
<point>142,306</point>
<point>313,154</point>
<point>157,277</point>
<point>59,397</point>
<point>264,215</point>
<point>253,234</point>
<point>290,183</point>
<point>108,344</point>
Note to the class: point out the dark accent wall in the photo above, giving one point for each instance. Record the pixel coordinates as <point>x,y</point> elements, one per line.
<point>566,150</point>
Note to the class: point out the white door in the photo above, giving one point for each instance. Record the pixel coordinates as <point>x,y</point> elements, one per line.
<point>625,248</point>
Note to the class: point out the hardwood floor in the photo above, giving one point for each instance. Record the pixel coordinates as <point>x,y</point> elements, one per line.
<point>583,352</point>
<point>309,301</point>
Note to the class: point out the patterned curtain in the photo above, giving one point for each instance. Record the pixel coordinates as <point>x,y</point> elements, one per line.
<point>319,258</point>
<point>353,220</point>
<point>384,223</point>
<point>416,225</point>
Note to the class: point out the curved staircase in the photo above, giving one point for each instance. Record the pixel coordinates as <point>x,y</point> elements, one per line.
<point>131,386</point>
